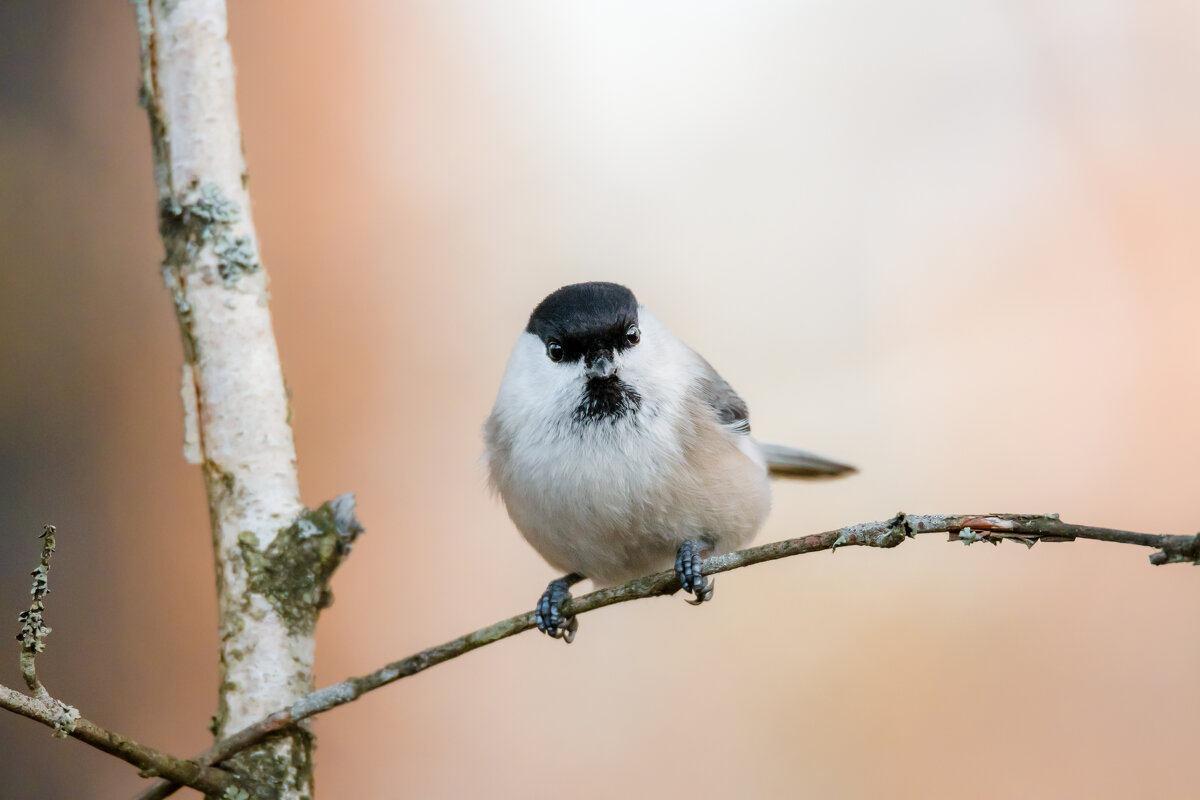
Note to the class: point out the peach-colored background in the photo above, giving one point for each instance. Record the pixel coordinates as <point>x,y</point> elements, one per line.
<point>955,244</point>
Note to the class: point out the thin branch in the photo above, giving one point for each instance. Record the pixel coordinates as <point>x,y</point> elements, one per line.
<point>201,777</point>
<point>65,719</point>
<point>34,632</point>
<point>967,528</point>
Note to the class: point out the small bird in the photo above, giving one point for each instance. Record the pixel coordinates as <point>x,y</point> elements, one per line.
<point>619,451</point>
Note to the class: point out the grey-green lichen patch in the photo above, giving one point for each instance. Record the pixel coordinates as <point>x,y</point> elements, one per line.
<point>64,722</point>
<point>235,257</point>
<point>212,206</point>
<point>218,479</point>
<point>205,216</point>
<point>33,630</point>
<point>283,762</point>
<point>969,537</point>
<point>293,572</point>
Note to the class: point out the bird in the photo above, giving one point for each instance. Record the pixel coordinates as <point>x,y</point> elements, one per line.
<point>619,451</point>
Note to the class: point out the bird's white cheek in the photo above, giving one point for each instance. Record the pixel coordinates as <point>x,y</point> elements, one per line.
<point>653,370</point>
<point>534,387</point>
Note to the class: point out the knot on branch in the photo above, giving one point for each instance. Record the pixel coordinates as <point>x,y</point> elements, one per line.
<point>1183,548</point>
<point>875,534</point>
<point>293,572</point>
<point>65,717</point>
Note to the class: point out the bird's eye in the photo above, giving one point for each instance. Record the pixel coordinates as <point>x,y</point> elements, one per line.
<point>555,351</point>
<point>633,335</point>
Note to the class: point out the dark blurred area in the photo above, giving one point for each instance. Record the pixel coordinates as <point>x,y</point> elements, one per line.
<point>953,244</point>
<point>81,326</point>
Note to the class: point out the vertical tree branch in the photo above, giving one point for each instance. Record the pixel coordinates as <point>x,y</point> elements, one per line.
<point>237,423</point>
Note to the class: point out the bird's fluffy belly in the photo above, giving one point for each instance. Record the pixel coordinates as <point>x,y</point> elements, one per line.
<point>614,507</point>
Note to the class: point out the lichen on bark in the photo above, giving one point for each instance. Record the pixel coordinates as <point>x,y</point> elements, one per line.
<point>236,409</point>
<point>284,769</point>
<point>205,215</point>
<point>293,572</point>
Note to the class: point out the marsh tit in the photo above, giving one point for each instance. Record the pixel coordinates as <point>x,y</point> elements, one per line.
<point>619,451</point>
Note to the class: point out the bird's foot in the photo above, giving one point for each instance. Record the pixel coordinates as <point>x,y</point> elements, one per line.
<point>687,569</point>
<point>549,612</point>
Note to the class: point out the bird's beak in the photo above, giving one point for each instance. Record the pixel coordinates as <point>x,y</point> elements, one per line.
<point>600,367</point>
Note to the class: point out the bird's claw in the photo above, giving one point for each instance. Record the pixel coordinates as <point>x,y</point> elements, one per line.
<point>687,569</point>
<point>706,592</point>
<point>549,616</point>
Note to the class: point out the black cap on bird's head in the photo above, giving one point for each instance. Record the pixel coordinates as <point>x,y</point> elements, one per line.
<point>589,321</point>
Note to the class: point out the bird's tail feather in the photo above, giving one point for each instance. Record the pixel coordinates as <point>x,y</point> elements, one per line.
<point>788,462</point>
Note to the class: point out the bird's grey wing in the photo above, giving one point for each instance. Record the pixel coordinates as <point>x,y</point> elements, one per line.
<point>733,413</point>
<point>731,409</point>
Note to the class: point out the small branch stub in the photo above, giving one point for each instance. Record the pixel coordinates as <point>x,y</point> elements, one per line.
<point>293,572</point>
<point>1185,551</point>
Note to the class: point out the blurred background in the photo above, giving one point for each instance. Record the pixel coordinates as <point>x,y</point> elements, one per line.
<point>954,244</point>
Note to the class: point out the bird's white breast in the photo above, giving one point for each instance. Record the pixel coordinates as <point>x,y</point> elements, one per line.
<point>612,499</point>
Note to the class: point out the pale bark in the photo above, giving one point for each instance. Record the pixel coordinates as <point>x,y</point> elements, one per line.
<point>236,406</point>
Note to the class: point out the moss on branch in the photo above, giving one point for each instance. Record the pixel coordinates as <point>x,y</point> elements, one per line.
<point>293,572</point>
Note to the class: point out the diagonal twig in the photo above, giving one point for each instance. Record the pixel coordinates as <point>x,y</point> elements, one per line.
<point>967,528</point>
<point>66,721</point>
<point>201,777</point>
